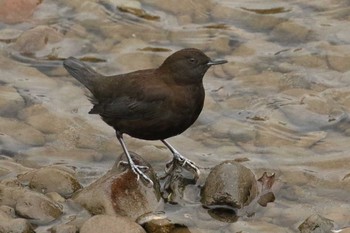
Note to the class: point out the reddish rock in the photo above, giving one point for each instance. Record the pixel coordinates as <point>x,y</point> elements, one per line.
<point>17,11</point>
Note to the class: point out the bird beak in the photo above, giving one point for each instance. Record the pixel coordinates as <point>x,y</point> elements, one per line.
<point>216,62</point>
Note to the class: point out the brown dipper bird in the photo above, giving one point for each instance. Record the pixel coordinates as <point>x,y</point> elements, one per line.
<point>152,104</point>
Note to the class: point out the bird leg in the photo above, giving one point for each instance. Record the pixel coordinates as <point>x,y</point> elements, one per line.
<point>178,158</point>
<point>137,169</point>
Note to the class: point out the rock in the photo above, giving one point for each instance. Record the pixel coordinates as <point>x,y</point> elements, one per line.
<point>229,184</point>
<point>183,229</point>
<point>252,21</point>
<point>13,225</point>
<point>17,11</point>
<point>65,228</point>
<point>10,101</point>
<point>9,35</point>
<point>53,179</point>
<point>56,197</point>
<point>10,145</point>
<point>36,39</point>
<point>159,226</point>
<point>339,63</point>
<point>309,61</point>
<point>110,224</point>
<point>119,193</point>
<point>221,45</point>
<point>290,32</point>
<point>21,132</point>
<point>181,7</point>
<point>13,167</point>
<point>40,118</point>
<point>57,152</point>
<point>232,129</point>
<point>31,205</point>
<point>316,224</point>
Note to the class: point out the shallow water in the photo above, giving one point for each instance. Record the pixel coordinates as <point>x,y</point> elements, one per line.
<point>282,101</point>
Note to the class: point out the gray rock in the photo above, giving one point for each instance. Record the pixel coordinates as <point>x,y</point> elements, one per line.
<point>119,193</point>
<point>230,184</point>
<point>12,167</point>
<point>37,38</point>
<point>159,226</point>
<point>42,119</point>
<point>10,101</point>
<point>316,224</point>
<point>14,225</point>
<point>291,32</point>
<point>21,132</point>
<point>252,21</point>
<point>64,228</point>
<point>110,224</point>
<point>54,179</point>
<point>31,205</point>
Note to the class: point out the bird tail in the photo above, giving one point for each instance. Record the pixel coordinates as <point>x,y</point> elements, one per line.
<point>82,72</point>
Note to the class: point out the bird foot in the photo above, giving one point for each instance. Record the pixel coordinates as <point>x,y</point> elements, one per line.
<point>139,170</point>
<point>180,160</point>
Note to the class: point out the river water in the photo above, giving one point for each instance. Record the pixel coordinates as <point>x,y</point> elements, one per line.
<point>281,102</point>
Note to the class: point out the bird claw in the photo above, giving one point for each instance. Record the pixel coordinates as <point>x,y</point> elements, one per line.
<point>183,162</point>
<point>141,167</point>
<point>139,170</point>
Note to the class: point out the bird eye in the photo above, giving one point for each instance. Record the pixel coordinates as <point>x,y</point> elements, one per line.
<point>192,60</point>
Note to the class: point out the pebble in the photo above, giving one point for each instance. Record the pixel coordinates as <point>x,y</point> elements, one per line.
<point>9,224</point>
<point>230,184</point>
<point>111,224</point>
<point>34,206</point>
<point>65,228</point>
<point>339,63</point>
<point>291,32</point>
<point>22,132</point>
<point>37,38</point>
<point>10,101</point>
<point>54,179</point>
<point>252,21</point>
<point>10,166</point>
<point>17,11</point>
<point>42,119</point>
<point>119,193</point>
<point>316,224</point>
<point>56,151</point>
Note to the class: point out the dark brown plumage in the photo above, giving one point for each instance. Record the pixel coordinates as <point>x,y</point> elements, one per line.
<point>152,104</point>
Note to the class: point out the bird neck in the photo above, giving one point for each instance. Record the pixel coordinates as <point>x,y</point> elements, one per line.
<point>178,77</point>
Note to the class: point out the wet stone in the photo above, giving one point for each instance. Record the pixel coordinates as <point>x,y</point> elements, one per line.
<point>159,226</point>
<point>339,63</point>
<point>57,152</point>
<point>119,193</point>
<point>251,21</point>
<point>316,224</point>
<point>14,225</point>
<point>42,119</point>
<point>111,224</point>
<point>10,101</point>
<point>53,179</point>
<point>65,228</point>
<point>229,184</point>
<point>8,35</point>
<point>12,167</point>
<point>36,39</point>
<point>21,132</point>
<point>290,32</point>
<point>17,11</point>
<point>36,207</point>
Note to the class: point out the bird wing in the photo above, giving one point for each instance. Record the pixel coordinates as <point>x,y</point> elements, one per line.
<point>129,107</point>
